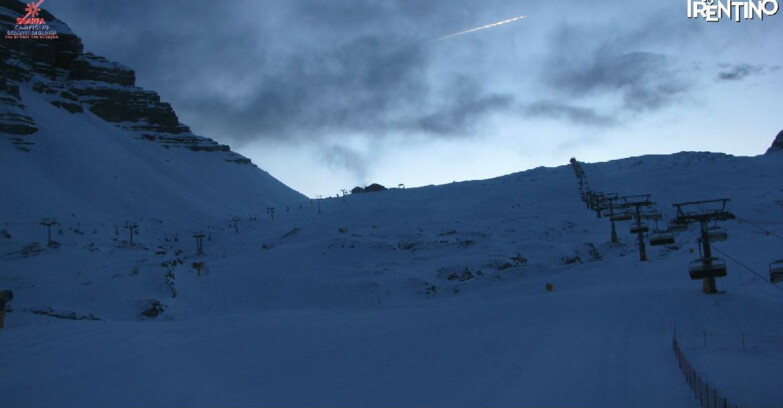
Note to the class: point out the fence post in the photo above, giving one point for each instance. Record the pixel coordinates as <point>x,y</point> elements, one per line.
<point>715,397</point>
<point>701,394</point>
<point>693,377</point>
<point>707,394</point>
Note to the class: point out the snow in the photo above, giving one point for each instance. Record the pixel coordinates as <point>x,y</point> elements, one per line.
<point>411,297</point>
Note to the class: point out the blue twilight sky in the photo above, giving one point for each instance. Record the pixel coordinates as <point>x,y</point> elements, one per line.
<point>327,95</point>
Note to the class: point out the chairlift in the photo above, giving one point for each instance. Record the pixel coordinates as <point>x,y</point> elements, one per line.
<point>622,217</point>
<point>661,238</point>
<point>653,215</point>
<point>677,226</point>
<point>636,229</point>
<point>717,234</point>
<point>776,271</point>
<point>707,268</point>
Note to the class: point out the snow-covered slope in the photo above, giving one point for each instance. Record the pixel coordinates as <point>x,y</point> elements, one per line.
<point>84,169</point>
<point>430,296</point>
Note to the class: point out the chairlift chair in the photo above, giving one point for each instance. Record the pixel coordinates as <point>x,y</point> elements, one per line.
<point>635,229</point>
<point>653,215</point>
<point>776,271</point>
<point>661,238</point>
<point>717,234</point>
<point>677,226</point>
<point>625,215</point>
<point>622,217</point>
<point>700,269</point>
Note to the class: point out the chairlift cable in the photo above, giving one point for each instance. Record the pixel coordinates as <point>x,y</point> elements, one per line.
<point>748,268</point>
<point>766,231</point>
<point>760,276</point>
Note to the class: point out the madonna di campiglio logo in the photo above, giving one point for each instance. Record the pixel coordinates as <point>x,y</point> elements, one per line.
<point>31,26</point>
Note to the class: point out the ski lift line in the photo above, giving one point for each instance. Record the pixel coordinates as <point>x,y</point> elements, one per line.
<point>149,228</point>
<point>63,224</point>
<point>681,213</point>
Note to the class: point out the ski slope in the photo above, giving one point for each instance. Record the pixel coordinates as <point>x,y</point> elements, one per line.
<point>432,296</point>
<point>87,170</point>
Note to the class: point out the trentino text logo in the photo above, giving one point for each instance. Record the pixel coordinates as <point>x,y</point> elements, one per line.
<point>716,10</point>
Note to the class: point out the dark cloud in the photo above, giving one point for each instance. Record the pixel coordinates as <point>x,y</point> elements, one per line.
<point>296,70</point>
<point>360,85</point>
<point>574,114</point>
<point>464,103</point>
<point>614,62</point>
<point>304,70</point>
<point>645,81</point>
<point>739,71</point>
<point>459,117</point>
<point>371,84</point>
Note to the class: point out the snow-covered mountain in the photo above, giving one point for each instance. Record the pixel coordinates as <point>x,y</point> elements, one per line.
<point>501,292</point>
<point>79,141</point>
<point>429,296</point>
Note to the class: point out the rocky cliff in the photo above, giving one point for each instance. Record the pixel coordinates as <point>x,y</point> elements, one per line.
<point>77,81</point>
<point>777,144</point>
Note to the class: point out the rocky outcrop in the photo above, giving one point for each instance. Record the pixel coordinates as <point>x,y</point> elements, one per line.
<point>75,81</point>
<point>90,67</point>
<point>777,144</point>
<point>134,108</point>
<point>12,114</point>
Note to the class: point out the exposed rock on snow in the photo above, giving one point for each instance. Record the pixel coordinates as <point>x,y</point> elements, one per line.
<point>777,144</point>
<point>74,80</point>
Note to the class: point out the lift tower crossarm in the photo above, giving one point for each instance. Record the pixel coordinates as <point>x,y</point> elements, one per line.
<point>595,203</point>
<point>593,198</point>
<point>640,200</point>
<point>719,214</point>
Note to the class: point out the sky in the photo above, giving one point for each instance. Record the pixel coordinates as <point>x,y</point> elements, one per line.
<point>329,95</point>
